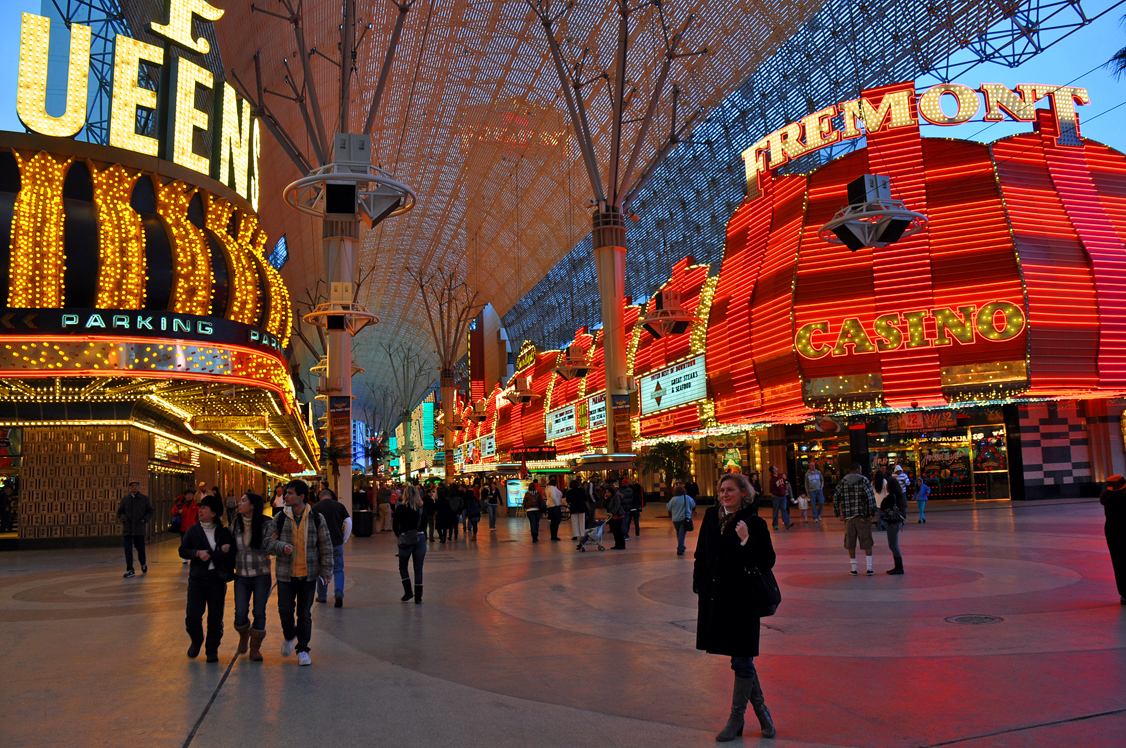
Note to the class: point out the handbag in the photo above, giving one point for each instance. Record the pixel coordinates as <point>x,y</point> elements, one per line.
<point>410,537</point>
<point>891,516</point>
<point>689,525</point>
<point>763,590</point>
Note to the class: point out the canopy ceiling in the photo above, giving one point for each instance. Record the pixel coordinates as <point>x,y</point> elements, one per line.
<point>473,120</point>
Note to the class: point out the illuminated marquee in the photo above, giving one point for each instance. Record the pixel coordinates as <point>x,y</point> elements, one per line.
<point>995,321</point>
<point>895,110</point>
<point>236,137</point>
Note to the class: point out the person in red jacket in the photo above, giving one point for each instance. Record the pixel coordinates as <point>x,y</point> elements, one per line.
<point>187,509</point>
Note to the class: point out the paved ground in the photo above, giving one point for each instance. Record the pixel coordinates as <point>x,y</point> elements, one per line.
<point>541,646</point>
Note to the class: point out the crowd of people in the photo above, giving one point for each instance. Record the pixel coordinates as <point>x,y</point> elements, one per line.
<point>300,546</point>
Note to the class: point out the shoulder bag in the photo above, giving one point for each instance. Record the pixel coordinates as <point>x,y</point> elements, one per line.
<point>763,590</point>
<point>689,525</point>
<point>410,537</point>
<point>891,515</point>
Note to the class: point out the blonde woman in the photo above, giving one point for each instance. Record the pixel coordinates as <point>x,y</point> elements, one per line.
<point>409,524</point>
<point>733,539</point>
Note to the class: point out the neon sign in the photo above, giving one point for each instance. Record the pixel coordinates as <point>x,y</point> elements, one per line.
<point>895,110</point>
<point>995,321</point>
<point>237,139</point>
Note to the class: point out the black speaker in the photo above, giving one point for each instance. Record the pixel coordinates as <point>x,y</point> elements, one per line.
<point>850,240</point>
<point>340,198</point>
<point>894,230</point>
<point>335,322</point>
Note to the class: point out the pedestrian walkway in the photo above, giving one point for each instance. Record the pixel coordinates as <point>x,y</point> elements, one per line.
<point>1006,630</point>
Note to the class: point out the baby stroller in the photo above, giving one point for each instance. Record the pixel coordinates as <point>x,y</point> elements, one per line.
<point>593,535</point>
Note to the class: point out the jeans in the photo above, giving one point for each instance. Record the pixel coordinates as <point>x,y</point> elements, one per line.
<point>681,531</point>
<point>130,541</point>
<point>578,524</point>
<point>616,528</point>
<point>922,508</point>
<point>534,521</point>
<point>245,588</point>
<point>430,524</point>
<point>817,502</point>
<point>779,504</point>
<point>893,539</point>
<point>210,593</point>
<point>634,516</point>
<point>555,516</point>
<point>337,574</point>
<point>418,553</point>
<point>744,667</point>
<point>492,515</point>
<point>296,597</point>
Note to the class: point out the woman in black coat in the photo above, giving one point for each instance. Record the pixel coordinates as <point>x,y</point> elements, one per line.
<point>1113,500</point>
<point>733,539</point>
<point>897,500</point>
<point>446,519</point>
<point>211,549</point>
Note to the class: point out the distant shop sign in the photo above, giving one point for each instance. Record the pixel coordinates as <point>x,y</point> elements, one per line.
<point>217,423</point>
<point>923,421</point>
<point>561,423</point>
<point>673,386</point>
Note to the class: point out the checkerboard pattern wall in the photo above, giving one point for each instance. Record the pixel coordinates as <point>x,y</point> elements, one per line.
<point>1054,444</point>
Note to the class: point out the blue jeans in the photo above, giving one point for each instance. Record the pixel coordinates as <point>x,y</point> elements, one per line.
<point>130,541</point>
<point>337,574</point>
<point>418,553</point>
<point>681,531</point>
<point>922,508</point>
<point>779,504</point>
<point>492,516</point>
<point>817,502</point>
<point>259,588</point>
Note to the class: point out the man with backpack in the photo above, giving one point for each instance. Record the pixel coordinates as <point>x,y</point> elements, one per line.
<point>301,541</point>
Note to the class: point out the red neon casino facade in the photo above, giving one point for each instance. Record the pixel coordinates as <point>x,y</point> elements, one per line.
<point>986,353</point>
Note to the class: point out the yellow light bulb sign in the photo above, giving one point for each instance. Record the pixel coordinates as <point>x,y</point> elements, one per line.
<point>235,133</point>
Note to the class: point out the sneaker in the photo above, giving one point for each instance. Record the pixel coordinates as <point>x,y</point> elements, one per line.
<point>788,526</point>
<point>853,572</point>
<point>128,575</point>
<point>287,646</point>
<point>186,562</point>
<point>144,568</point>
<point>871,573</point>
<point>303,658</point>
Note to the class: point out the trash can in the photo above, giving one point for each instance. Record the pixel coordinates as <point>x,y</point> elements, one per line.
<point>363,523</point>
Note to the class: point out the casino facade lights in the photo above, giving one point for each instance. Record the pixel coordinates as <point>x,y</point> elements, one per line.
<point>949,351</point>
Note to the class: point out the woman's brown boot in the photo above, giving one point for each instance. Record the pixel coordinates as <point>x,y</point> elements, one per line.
<point>256,638</point>
<point>243,635</point>
<point>740,695</point>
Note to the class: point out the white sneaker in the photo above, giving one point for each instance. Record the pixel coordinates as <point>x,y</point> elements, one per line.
<point>287,647</point>
<point>303,658</point>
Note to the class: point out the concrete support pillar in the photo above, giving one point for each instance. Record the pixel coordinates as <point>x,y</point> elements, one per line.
<point>1104,439</point>
<point>340,264</point>
<point>610,260</point>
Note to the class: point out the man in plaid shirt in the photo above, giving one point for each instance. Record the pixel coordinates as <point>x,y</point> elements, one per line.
<point>299,537</point>
<point>855,504</point>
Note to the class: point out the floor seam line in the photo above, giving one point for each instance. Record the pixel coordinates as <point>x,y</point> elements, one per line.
<point>1028,727</point>
<point>198,722</point>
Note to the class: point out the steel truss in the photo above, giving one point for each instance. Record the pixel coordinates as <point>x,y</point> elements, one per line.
<point>846,47</point>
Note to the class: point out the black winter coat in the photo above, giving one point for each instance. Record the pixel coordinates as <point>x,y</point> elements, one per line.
<point>195,539</point>
<point>728,624</point>
<point>445,517</point>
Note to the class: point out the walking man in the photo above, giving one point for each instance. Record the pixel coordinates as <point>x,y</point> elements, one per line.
<point>532,507</point>
<point>301,541</point>
<point>779,497</point>
<point>814,489</point>
<point>383,498</point>
<point>554,499</point>
<point>339,524</point>
<point>855,504</point>
<point>134,513</point>
<point>577,502</point>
